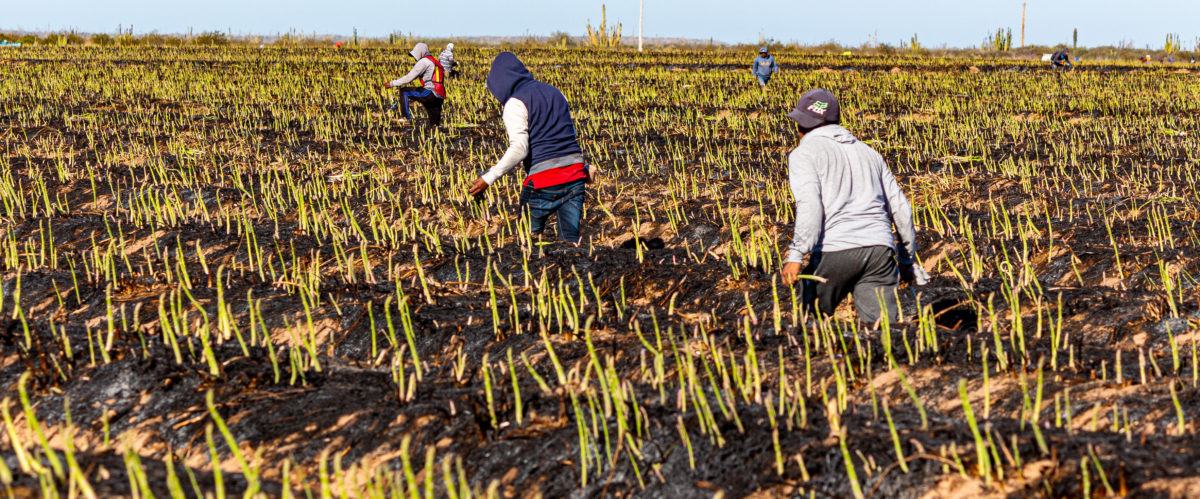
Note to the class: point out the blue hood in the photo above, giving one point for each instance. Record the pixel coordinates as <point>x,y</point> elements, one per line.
<point>506,75</point>
<point>552,140</point>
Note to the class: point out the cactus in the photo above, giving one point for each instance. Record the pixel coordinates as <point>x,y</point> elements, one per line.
<point>1000,41</point>
<point>1172,44</point>
<point>602,36</point>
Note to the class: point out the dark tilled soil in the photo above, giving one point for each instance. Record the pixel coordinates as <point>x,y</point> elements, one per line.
<point>1100,428</point>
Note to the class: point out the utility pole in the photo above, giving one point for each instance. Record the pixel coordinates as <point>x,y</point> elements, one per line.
<point>641,8</point>
<point>1022,24</point>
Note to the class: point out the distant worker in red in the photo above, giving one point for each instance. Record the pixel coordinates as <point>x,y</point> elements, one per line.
<point>541,137</point>
<point>429,74</point>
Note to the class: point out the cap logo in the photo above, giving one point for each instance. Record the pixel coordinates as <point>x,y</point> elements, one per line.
<point>819,107</point>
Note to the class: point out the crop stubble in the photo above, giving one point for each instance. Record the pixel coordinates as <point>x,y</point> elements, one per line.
<point>182,224</point>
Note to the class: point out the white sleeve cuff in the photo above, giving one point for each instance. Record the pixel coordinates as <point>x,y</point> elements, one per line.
<point>516,122</point>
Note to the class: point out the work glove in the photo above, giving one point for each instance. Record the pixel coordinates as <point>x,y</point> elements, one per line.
<point>913,274</point>
<point>387,85</point>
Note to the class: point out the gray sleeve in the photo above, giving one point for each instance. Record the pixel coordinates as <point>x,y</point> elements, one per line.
<point>810,210</point>
<point>417,70</point>
<point>902,216</point>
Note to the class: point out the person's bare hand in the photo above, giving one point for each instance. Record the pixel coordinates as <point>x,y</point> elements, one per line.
<point>789,272</point>
<point>387,85</point>
<point>477,188</point>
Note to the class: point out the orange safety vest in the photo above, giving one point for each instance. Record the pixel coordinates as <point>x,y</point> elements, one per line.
<point>439,78</point>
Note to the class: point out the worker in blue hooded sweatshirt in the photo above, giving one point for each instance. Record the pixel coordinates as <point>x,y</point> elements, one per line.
<point>541,137</point>
<point>764,67</point>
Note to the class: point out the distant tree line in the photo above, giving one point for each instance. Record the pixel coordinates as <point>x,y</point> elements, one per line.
<point>127,38</point>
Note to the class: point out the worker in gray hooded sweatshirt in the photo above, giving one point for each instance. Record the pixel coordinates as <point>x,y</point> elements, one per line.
<point>448,62</point>
<point>431,78</point>
<point>847,202</point>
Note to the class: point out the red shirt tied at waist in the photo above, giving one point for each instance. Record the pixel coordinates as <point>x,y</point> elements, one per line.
<point>557,176</point>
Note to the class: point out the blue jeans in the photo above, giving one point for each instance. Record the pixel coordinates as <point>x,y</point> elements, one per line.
<point>566,200</point>
<point>763,80</point>
<point>432,103</point>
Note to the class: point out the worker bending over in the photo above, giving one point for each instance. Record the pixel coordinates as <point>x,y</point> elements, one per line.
<point>847,202</point>
<point>431,81</point>
<point>541,137</point>
<point>1061,60</point>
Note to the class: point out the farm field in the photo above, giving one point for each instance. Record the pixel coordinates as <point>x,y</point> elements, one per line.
<point>230,271</point>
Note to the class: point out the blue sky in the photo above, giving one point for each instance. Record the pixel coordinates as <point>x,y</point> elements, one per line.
<point>957,23</point>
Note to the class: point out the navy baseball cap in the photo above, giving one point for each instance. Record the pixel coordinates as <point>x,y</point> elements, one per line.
<point>816,107</point>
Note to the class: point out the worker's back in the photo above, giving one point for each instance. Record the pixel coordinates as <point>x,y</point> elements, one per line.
<point>427,70</point>
<point>552,138</point>
<point>1061,58</point>
<point>855,188</point>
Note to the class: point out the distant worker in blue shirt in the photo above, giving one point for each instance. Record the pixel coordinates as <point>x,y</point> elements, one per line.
<point>764,66</point>
<point>1061,60</point>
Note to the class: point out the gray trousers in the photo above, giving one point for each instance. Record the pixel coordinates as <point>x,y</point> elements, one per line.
<point>870,273</point>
